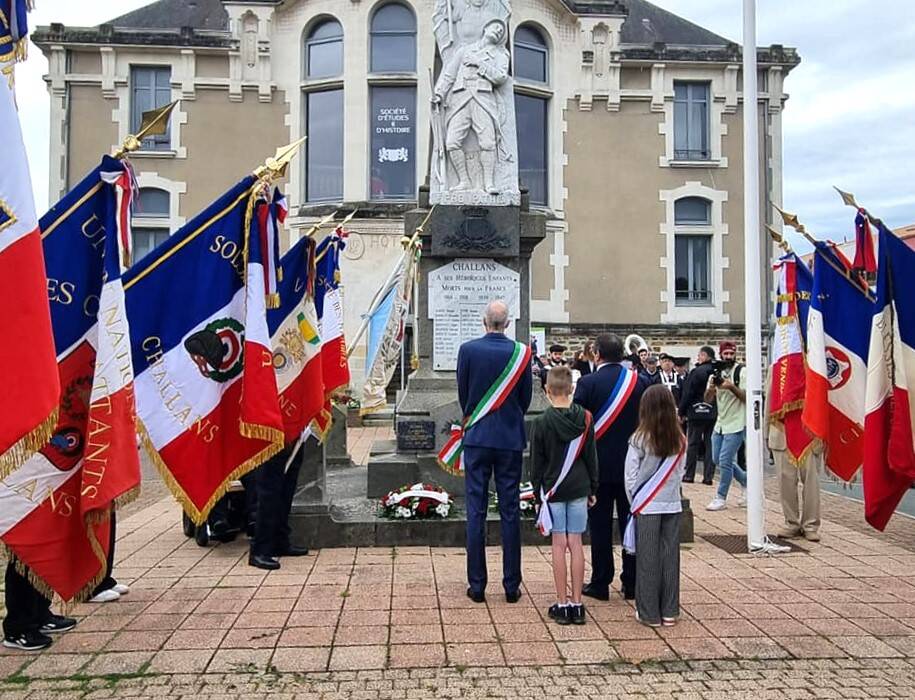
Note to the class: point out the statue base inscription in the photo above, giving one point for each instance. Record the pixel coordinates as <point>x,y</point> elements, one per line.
<point>458,293</point>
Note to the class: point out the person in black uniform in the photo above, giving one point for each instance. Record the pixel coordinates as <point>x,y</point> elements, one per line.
<point>275,490</point>
<point>29,620</point>
<point>592,394</point>
<point>700,416</point>
<point>670,378</point>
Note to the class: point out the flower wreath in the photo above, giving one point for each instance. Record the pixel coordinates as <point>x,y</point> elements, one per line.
<point>526,501</point>
<point>416,502</point>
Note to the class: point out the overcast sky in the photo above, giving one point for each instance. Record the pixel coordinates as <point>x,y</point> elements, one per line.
<point>850,120</point>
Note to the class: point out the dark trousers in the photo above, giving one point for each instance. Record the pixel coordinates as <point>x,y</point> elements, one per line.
<point>26,608</point>
<point>275,491</point>
<point>479,464</point>
<point>610,496</point>
<point>109,580</point>
<point>657,592</point>
<point>699,434</point>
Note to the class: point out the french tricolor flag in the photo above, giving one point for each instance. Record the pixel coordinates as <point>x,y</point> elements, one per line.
<point>838,329</point>
<point>889,459</point>
<point>206,386</point>
<point>54,510</point>
<point>30,388</point>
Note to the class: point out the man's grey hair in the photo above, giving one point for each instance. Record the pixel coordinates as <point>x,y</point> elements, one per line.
<point>495,318</point>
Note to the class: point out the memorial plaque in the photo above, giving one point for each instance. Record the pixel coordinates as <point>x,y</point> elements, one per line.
<point>458,294</point>
<point>416,436</point>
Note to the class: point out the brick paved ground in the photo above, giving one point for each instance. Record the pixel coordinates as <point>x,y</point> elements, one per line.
<point>837,620</point>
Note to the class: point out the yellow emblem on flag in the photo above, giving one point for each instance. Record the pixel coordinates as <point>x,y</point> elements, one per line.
<point>308,332</point>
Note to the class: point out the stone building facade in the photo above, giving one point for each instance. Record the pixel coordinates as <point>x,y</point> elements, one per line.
<point>629,122</point>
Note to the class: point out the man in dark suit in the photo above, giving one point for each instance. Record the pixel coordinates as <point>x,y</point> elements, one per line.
<point>493,446</point>
<point>275,486</point>
<point>593,393</point>
<point>700,417</point>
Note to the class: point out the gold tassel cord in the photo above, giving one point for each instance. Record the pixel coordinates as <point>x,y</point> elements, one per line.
<point>27,445</point>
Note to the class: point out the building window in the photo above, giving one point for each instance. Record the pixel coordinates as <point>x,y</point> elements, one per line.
<point>393,37</point>
<point>692,250</point>
<point>531,68</point>
<point>531,116</point>
<point>150,221</point>
<point>692,273</point>
<point>531,55</point>
<point>324,146</point>
<point>324,50</point>
<point>691,121</point>
<point>692,211</point>
<point>392,159</point>
<point>150,89</point>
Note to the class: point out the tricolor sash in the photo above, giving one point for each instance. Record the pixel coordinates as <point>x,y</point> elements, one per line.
<point>646,493</point>
<point>450,457</point>
<point>573,452</point>
<point>620,394</point>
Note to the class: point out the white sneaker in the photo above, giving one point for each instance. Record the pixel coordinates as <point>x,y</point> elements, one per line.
<point>742,498</point>
<point>717,504</point>
<point>121,588</point>
<point>107,596</point>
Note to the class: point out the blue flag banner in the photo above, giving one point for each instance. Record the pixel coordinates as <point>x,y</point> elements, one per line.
<point>206,389</point>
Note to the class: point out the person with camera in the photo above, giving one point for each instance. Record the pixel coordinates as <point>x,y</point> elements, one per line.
<point>700,416</point>
<point>726,386</point>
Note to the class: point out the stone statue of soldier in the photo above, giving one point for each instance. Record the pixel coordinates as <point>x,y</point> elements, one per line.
<point>468,82</point>
<point>475,155</point>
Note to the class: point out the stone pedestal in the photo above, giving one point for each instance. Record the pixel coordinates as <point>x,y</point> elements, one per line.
<point>473,254</point>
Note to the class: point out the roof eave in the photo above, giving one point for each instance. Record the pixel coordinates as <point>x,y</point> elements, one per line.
<point>106,35</point>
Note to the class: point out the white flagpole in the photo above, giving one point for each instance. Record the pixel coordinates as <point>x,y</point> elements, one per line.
<point>756,525</point>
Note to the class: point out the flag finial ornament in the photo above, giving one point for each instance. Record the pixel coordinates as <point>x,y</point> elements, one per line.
<point>790,220</point>
<point>847,197</point>
<point>779,239</point>
<point>275,166</point>
<point>154,123</point>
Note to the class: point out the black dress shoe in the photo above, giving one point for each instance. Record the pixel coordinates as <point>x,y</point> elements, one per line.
<point>593,591</point>
<point>293,551</point>
<point>628,594</point>
<point>577,614</point>
<point>476,597</point>
<point>260,562</point>
<point>688,481</point>
<point>707,482</point>
<point>513,597</point>
<point>560,614</point>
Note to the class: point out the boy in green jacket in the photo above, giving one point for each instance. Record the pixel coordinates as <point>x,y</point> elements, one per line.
<point>565,477</point>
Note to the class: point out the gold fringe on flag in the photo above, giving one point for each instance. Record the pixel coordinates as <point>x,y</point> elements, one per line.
<point>273,301</point>
<point>28,445</point>
<point>199,516</point>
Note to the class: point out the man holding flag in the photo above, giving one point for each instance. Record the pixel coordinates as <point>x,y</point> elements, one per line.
<point>55,510</point>
<point>797,453</point>
<point>494,390</point>
<point>297,361</point>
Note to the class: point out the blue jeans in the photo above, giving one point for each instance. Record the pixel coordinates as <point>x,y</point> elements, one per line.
<point>724,455</point>
<point>479,464</point>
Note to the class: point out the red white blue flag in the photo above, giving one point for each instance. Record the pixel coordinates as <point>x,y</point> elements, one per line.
<point>329,306</point>
<point>206,386</point>
<point>54,510</point>
<point>838,330</point>
<point>889,449</point>
<point>787,380</point>
<point>30,393</point>
<point>296,343</point>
